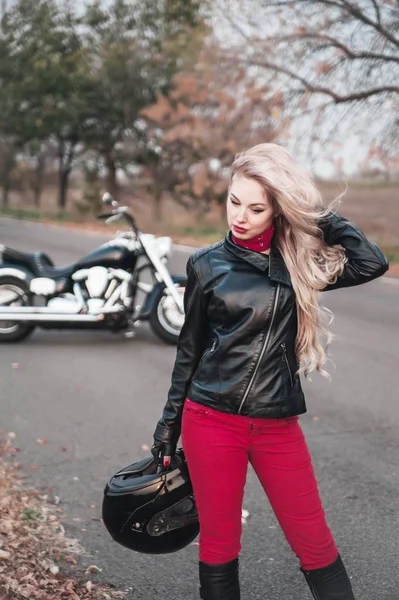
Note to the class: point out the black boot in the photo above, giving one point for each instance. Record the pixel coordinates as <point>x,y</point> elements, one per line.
<point>330,583</point>
<point>219,582</point>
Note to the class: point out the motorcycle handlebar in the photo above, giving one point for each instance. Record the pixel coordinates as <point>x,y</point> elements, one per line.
<point>114,216</point>
<point>104,216</point>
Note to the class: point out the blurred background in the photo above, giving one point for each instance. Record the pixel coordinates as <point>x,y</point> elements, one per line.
<point>151,101</point>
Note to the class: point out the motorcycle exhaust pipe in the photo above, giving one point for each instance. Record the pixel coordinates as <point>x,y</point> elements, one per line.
<point>45,313</point>
<point>51,317</point>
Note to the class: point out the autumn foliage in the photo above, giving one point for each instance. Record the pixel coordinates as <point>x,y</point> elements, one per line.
<point>197,128</point>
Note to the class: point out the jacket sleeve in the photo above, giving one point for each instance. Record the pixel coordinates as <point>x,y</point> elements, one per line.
<point>365,261</point>
<point>191,344</point>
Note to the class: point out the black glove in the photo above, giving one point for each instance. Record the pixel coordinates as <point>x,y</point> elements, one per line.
<point>165,441</point>
<point>325,226</point>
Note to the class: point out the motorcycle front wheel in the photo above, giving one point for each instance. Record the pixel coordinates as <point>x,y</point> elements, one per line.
<point>166,320</point>
<point>14,292</point>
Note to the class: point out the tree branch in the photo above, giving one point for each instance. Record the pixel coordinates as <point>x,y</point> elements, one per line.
<point>318,89</point>
<point>279,3</point>
<point>333,42</point>
<point>233,23</point>
<point>352,9</point>
<point>377,11</point>
<point>358,14</point>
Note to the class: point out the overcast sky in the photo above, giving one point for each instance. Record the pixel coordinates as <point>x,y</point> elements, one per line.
<point>350,141</point>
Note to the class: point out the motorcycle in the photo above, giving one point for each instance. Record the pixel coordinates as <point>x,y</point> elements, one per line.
<point>99,291</point>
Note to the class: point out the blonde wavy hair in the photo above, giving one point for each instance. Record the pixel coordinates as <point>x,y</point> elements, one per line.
<point>311,263</point>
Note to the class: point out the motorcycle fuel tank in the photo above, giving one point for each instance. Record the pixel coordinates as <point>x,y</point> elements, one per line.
<point>109,255</point>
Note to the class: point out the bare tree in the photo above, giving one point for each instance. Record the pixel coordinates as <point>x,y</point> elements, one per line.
<point>336,57</point>
<point>333,38</point>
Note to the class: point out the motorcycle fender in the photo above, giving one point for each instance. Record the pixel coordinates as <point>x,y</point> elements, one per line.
<point>11,270</point>
<point>149,303</point>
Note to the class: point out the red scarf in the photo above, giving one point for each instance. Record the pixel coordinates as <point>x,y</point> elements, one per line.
<point>259,243</point>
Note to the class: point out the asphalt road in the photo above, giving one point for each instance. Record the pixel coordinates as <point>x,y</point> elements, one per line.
<point>95,398</point>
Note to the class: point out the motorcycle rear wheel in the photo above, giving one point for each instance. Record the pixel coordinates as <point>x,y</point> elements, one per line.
<point>14,331</point>
<point>166,320</point>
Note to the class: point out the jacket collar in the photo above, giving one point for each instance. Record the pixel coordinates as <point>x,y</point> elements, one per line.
<point>273,262</point>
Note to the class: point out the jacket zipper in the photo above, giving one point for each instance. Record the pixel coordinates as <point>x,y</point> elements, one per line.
<point>287,363</point>
<point>211,349</point>
<point>262,352</point>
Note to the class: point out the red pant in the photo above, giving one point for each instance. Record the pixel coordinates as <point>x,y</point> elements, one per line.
<point>218,447</point>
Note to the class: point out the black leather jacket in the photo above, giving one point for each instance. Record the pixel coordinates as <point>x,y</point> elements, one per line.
<point>236,351</point>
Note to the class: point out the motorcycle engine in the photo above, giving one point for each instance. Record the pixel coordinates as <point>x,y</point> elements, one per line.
<point>97,281</point>
<point>66,304</point>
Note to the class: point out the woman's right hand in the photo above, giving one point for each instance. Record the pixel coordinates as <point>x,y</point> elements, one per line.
<point>162,453</point>
<point>164,445</point>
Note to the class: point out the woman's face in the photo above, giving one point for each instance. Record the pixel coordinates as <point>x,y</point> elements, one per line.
<point>249,210</point>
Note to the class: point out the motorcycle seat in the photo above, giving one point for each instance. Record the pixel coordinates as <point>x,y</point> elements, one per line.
<point>39,263</point>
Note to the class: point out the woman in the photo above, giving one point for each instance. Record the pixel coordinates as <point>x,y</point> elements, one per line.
<point>252,326</point>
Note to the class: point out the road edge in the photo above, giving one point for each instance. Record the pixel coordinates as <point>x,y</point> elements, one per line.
<point>392,274</point>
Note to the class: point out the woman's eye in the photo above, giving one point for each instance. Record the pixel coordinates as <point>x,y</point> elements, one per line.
<point>255,210</point>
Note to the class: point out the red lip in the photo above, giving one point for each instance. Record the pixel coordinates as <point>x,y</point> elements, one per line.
<point>239,229</point>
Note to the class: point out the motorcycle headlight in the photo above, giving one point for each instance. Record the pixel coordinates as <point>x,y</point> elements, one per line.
<point>164,246</point>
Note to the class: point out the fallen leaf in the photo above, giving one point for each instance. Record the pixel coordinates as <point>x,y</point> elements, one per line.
<point>28,591</point>
<point>93,569</point>
<point>54,569</point>
<point>34,547</point>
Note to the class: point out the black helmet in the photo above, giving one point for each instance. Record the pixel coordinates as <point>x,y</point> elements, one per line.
<point>151,510</point>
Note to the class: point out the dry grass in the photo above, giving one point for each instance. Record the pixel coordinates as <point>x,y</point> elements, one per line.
<point>373,206</point>
<point>37,559</point>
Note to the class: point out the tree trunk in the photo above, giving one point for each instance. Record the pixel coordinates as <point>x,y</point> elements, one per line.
<point>201,210</point>
<point>157,212</point>
<point>112,184</point>
<point>6,192</point>
<point>65,155</point>
<point>63,187</point>
<point>38,180</point>
<point>6,174</point>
